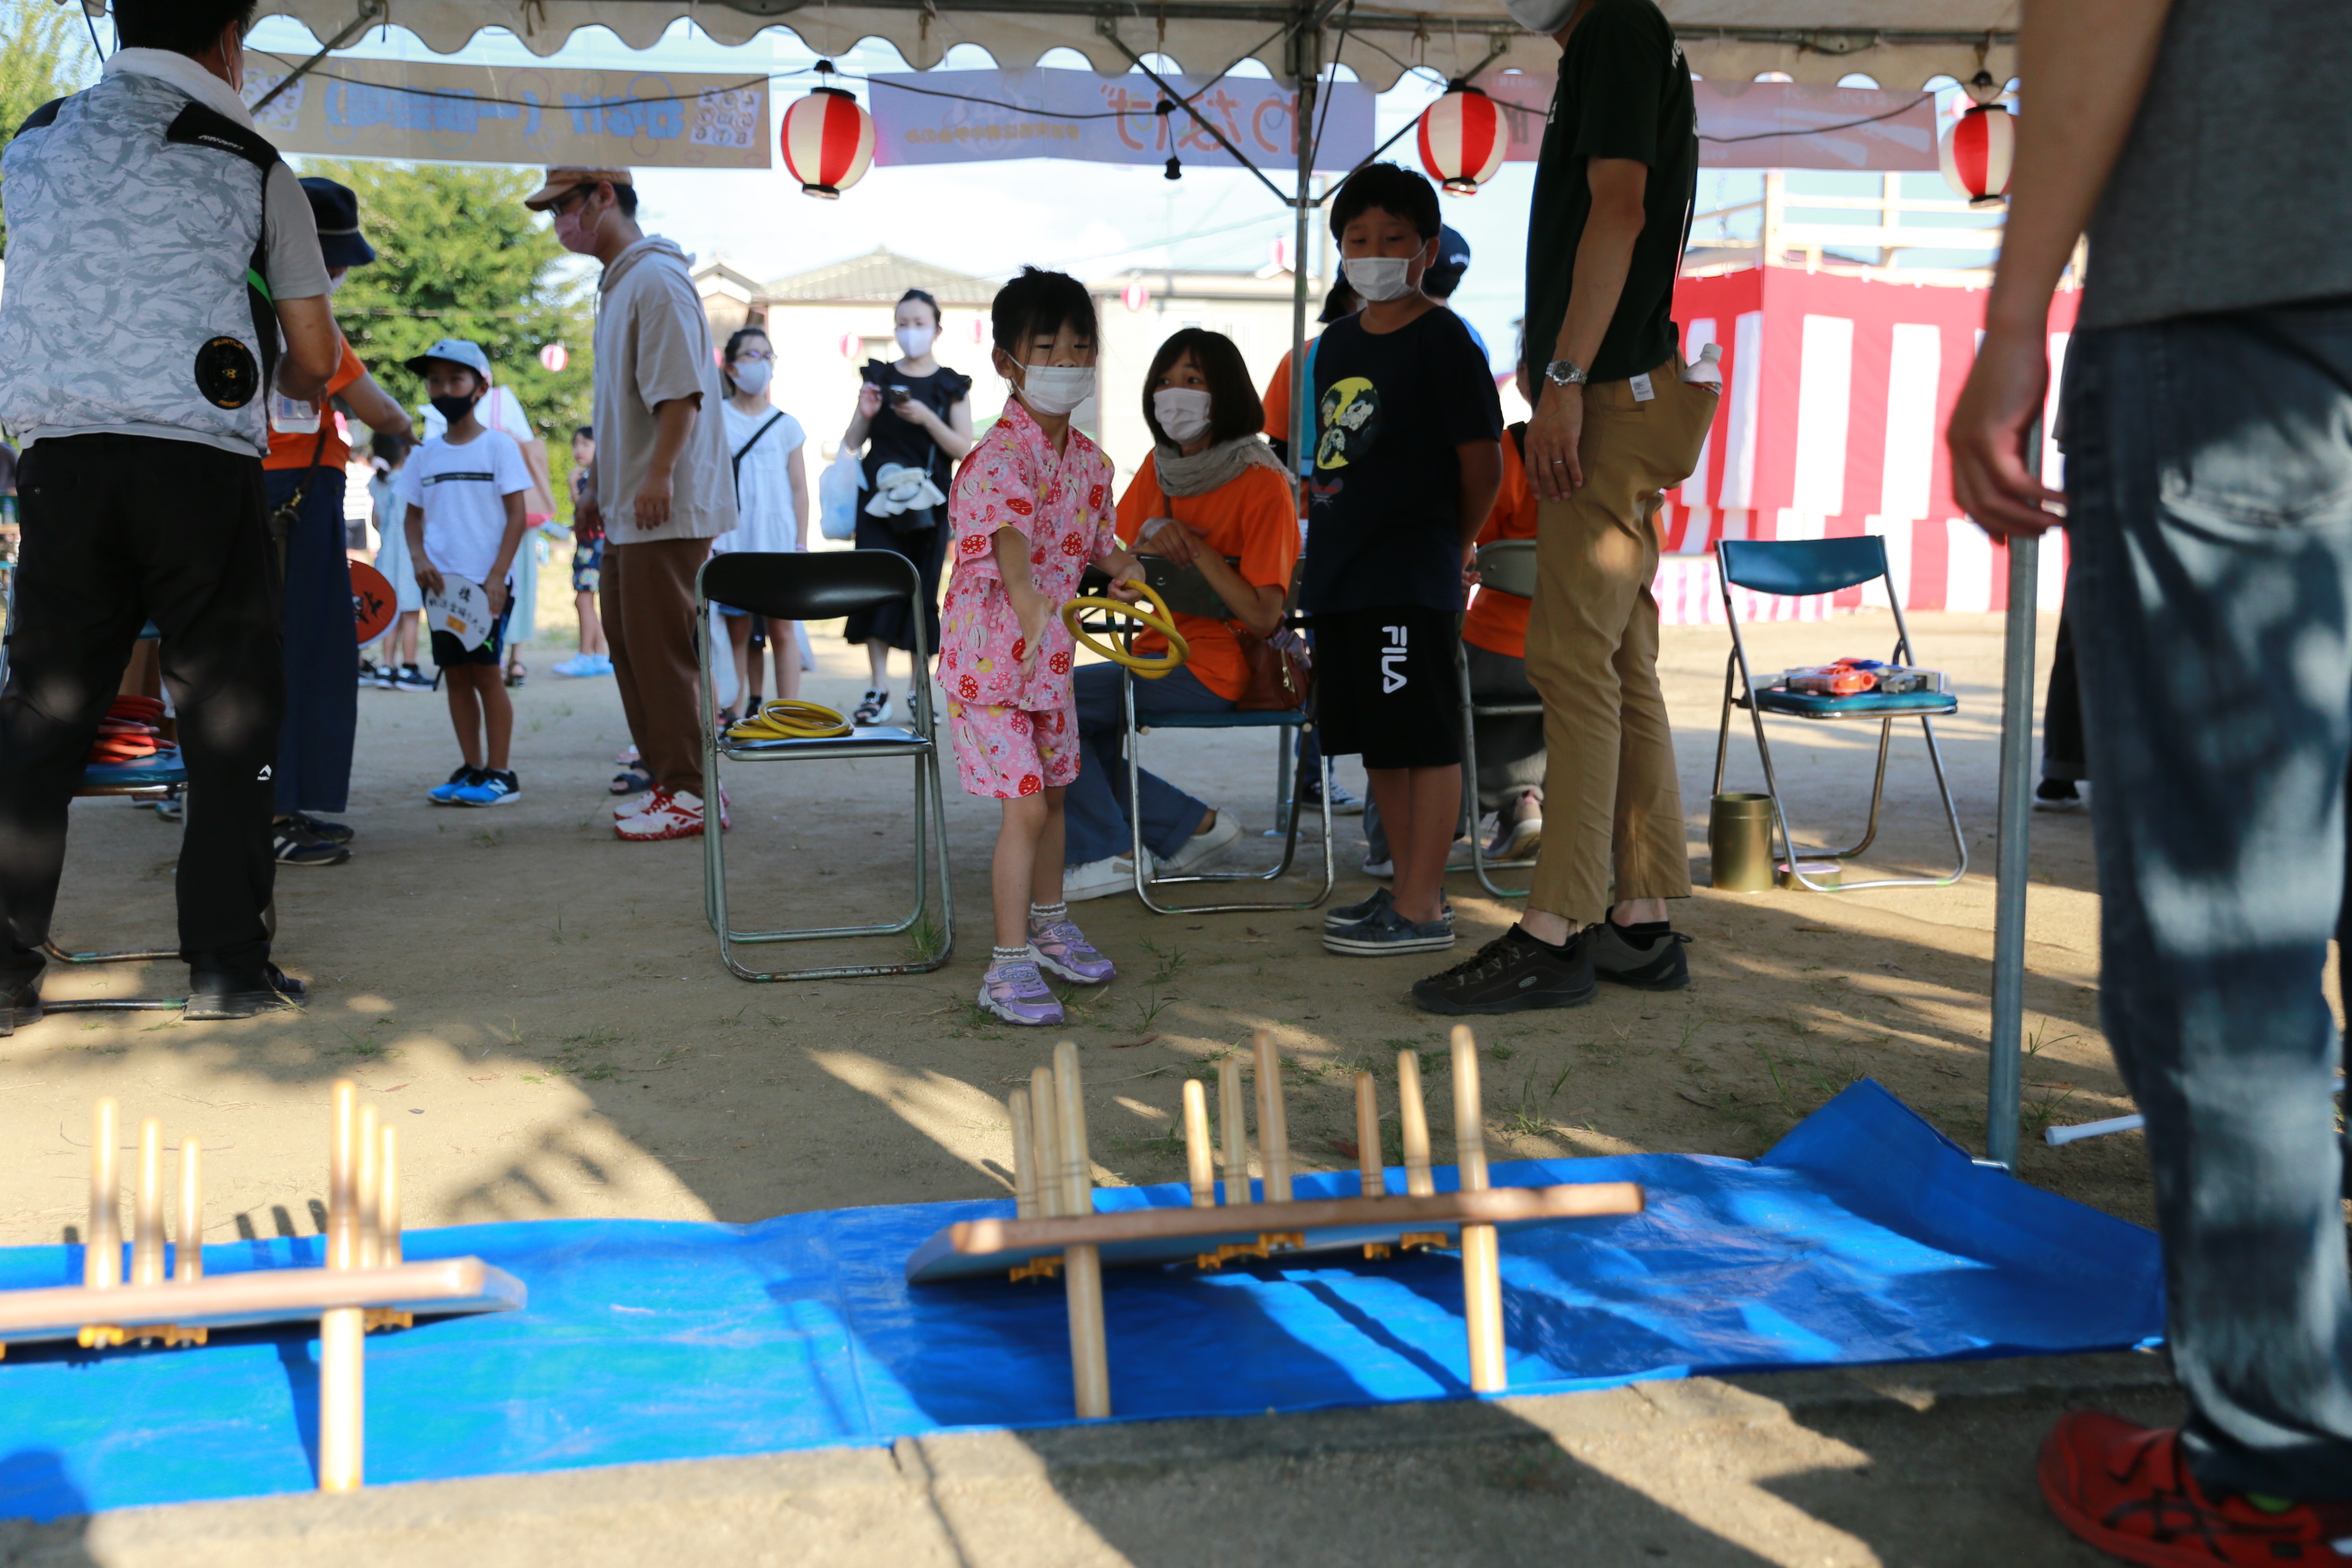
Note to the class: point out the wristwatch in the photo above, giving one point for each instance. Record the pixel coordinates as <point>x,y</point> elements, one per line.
<point>1565,373</point>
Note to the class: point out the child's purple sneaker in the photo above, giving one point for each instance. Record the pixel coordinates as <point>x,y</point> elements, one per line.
<point>1062,950</point>
<point>1016,993</point>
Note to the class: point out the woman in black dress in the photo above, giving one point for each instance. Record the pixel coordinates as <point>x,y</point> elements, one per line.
<point>917,416</point>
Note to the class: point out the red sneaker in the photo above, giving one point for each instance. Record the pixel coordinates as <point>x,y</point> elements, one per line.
<point>673,816</point>
<point>2127,1490</point>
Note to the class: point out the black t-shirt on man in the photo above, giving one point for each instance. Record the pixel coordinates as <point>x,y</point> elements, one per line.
<point>1624,92</point>
<point>1390,409</point>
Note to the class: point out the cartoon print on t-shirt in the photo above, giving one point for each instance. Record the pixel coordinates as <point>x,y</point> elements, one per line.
<point>1350,417</point>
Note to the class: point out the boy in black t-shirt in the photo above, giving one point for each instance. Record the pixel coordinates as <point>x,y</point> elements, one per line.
<point>1406,464</point>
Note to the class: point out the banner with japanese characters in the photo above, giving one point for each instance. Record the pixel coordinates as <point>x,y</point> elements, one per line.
<point>514,114</point>
<point>977,116</point>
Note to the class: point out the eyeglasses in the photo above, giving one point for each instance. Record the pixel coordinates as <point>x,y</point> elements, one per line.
<point>762,354</point>
<point>558,205</point>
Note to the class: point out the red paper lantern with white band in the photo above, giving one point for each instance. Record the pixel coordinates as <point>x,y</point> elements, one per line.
<point>828,141</point>
<point>555,356</point>
<point>1463,139</point>
<point>1976,156</point>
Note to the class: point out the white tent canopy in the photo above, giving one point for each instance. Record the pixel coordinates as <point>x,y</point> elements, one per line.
<point>1899,43</point>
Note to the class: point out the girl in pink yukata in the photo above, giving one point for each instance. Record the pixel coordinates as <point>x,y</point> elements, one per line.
<point>1031,509</point>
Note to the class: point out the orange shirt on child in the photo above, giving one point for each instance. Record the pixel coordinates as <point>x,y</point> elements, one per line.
<point>293,450</point>
<point>1499,622</point>
<point>1253,519</point>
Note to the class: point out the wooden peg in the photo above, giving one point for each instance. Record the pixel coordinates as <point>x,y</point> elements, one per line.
<point>1046,1140</point>
<point>366,1188</point>
<point>1081,1266</point>
<point>188,1257</point>
<point>1200,1157</point>
<point>1025,1165</point>
<point>387,1199</point>
<point>1273,1120</point>
<point>1482,1276</point>
<point>101,1256</point>
<point>1373,1176</point>
<point>147,1211</point>
<point>1233,1116</point>
<point>1412,1116</point>
<point>342,1330</point>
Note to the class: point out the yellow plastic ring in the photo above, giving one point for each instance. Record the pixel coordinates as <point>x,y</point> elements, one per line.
<point>1150,667</point>
<point>791,718</point>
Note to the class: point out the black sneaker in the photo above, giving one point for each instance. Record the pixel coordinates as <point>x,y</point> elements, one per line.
<point>1660,966</point>
<point>2057,794</point>
<point>319,828</point>
<point>1512,974</point>
<point>20,1003</point>
<point>1384,931</point>
<point>1349,914</point>
<point>294,845</point>
<point>214,996</point>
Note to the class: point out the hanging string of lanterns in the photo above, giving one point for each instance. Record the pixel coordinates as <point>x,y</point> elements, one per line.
<point>1463,139</point>
<point>1977,153</point>
<point>828,139</point>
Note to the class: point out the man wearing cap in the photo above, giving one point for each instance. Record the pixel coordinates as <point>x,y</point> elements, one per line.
<point>164,276</point>
<point>304,478</point>
<point>665,486</point>
<point>1444,275</point>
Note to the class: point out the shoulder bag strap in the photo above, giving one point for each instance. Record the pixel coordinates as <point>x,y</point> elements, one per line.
<point>773,420</point>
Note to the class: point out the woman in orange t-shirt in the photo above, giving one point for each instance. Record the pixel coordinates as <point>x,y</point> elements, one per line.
<point>1212,495</point>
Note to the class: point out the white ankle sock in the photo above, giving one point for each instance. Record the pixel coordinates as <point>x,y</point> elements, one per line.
<point>998,957</point>
<point>1041,915</point>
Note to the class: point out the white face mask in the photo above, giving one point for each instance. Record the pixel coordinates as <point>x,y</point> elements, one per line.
<point>751,374</point>
<point>1057,388</point>
<point>1379,277</point>
<point>1182,412</point>
<point>1545,16</point>
<point>916,342</point>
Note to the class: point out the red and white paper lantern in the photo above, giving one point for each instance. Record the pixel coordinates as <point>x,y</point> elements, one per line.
<point>555,356</point>
<point>828,142</point>
<point>1463,139</point>
<point>1136,295</point>
<point>1976,156</point>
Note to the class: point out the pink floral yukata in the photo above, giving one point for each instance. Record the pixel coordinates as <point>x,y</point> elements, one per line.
<point>1016,737</point>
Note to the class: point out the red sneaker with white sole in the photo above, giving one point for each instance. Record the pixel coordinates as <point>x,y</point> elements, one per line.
<point>2127,1490</point>
<point>669,815</point>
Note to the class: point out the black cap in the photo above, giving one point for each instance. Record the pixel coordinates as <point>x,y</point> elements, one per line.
<point>337,211</point>
<point>1444,275</point>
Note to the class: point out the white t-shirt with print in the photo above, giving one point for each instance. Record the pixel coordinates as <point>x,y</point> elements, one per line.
<point>463,490</point>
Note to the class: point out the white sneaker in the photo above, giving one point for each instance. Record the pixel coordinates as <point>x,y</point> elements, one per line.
<point>678,816</point>
<point>1099,879</point>
<point>1221,831</point>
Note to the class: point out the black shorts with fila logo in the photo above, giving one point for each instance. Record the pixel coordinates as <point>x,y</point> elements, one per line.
<point>1386,688</point>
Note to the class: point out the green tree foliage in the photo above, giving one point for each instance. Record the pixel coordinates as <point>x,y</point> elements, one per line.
<point>44,53</point>
<point>458,256</point>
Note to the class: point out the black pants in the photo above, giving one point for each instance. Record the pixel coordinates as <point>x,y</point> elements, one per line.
<point>118,531</point>
<point>322,658</point>
<point>2062,711</point>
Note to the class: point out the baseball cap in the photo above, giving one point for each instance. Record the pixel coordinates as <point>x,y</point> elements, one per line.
<point>566,177</point>
<point>456,350</point>
<point>336,210</point>
<point>1445,274</point>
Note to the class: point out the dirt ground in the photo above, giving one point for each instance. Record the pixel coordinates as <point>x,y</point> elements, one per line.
<point>538,1007</point>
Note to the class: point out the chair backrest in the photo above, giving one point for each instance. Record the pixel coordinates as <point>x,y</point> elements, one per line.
<point>815,585</point>
<point>1509,566</point>
<point>1800,567</point>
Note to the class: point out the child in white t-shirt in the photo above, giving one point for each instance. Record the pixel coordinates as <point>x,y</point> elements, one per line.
<point>464,493</point>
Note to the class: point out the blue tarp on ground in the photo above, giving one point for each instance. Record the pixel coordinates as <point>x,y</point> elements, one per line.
<point>1863,1237</point>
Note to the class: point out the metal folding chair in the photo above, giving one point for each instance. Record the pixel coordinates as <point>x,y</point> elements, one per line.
<point>792,586</point>
<point>1797,568</point>
<point>1506,566</point>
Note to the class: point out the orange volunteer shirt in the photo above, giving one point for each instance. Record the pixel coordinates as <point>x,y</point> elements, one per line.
<point>293,451</point>
<point>1253,519</point>
<point>1278,399</point>
<point>1499,622</point>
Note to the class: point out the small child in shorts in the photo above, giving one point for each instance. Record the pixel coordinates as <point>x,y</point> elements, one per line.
<point>1031,509</point>
<point>464,494</point>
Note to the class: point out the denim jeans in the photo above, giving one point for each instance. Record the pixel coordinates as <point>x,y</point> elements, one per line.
<point>2209,481</point>
<point>1094,811</point>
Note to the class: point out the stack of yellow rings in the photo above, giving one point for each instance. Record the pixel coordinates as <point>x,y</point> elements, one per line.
<point>791,719</point>
<point>1152,667</point>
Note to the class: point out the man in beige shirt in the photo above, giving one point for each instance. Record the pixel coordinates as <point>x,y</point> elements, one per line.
<point>664,485</point>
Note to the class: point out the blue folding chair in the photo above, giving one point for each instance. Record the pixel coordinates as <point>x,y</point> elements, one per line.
<point>1797,568</point>
<point>795,587</point>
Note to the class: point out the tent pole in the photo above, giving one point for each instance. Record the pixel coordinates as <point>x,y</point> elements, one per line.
<point>2005,1045</point>
<point>1307,50</point>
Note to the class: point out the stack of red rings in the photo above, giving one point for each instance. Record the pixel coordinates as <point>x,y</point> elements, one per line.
<point>129,732</point>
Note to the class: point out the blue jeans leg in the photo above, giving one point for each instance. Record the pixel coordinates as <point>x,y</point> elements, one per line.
<point>2209,481</point>
<point>1094,810</point>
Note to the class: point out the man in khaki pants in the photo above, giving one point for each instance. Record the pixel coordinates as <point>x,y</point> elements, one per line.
<point>1615,425</point>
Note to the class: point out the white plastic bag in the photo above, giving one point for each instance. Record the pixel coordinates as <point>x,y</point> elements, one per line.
<point>836,496</point>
